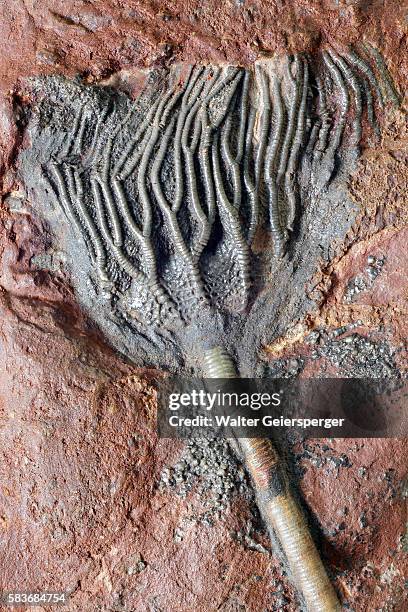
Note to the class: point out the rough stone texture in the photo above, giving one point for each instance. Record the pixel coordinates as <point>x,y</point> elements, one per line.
<point>82,506</point>
<point>97,38</point>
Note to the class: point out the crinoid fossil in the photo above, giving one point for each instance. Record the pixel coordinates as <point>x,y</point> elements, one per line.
<point>192,218</point>
<point>190,200</point>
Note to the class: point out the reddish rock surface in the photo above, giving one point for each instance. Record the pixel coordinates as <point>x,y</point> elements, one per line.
<point>80,463</point>
<point>97,38</point>
<point>81,510</point>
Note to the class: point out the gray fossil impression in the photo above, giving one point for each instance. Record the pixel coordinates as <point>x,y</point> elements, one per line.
<point>200,211</point>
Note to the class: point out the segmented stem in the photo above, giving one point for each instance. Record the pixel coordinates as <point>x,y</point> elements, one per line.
<point>279,509</point>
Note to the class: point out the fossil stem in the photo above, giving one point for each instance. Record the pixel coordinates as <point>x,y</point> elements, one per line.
<point>280,510</point>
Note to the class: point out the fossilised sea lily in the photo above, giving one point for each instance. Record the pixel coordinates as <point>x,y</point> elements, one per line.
<point>162,205</point>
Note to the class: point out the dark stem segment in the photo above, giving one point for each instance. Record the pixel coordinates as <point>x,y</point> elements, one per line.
<point>280,511</point>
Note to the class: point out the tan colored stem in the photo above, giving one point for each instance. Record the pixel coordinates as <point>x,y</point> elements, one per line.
<point>279,509</point>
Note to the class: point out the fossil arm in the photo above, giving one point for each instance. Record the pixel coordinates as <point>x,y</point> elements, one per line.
<point>177,214</point>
